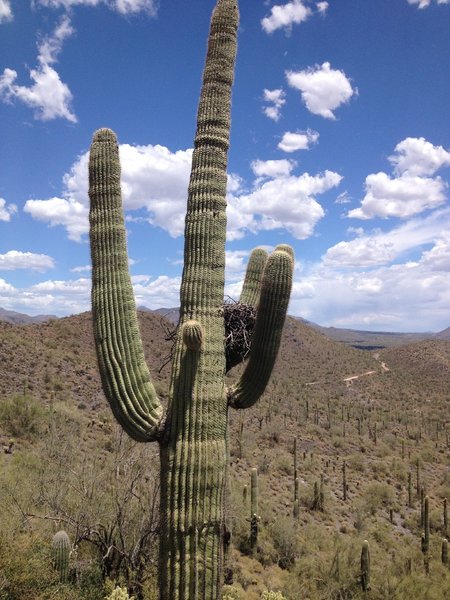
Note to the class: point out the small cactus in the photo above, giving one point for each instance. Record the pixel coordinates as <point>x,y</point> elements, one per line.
<point>426,525</point>
<point>60,554</point>
<point>445,517</point>
<point>365,566</point>
<point>444,552</point>
<point>254,510</point>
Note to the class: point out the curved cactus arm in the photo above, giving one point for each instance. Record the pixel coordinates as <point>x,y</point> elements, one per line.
<point>124,372</point>
<point>253,277</point>
<point>271,314</point>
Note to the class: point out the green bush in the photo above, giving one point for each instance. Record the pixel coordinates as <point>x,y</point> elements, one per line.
<point>22,416</point>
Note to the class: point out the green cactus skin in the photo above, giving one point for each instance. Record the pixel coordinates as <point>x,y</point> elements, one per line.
<point>193,432</point>
<point>344,481</point>
<point>426,525</point>
<point>445,517</point>
<point>365,566</point>
<point>60,554</point>
<point>444,552</point>
<point>254,510</point>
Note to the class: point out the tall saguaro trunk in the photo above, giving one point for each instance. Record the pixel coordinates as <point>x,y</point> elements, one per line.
<point>193,431</point>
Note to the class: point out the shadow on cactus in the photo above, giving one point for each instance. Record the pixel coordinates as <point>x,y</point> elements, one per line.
<point>192,431</point>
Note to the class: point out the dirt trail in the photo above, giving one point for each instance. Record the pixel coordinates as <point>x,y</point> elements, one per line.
<point>348,380</point>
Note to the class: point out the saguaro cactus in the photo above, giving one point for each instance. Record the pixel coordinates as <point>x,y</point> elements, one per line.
<point>193,431</point>
<point>365,567</point>
<point>254,510</point>
<point>60,554</point>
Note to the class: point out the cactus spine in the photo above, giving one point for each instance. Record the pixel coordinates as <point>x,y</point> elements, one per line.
<point>60,554</point>
<point>193,431</point>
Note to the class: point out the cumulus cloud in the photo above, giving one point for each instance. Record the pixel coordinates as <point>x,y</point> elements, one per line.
<point>381,248</point>
<point>322,7</point>
<point>15,259</point>
<point>6,13</point>
<point>153,178</point>
<point>426,3</point>
<point>416,156</point>
<point>400,197</point>
<point>159,292</point>
<point>48,96</point>
<point>6,210</point>
<point>323,89</point>
<point>272,168</point>
<point>380,298</point>
<point>285,16</point>
<point>276,100</point>
<point>299,140</point>
<point>411,192</point>
<point>124,7</point>
<point>283,202</point>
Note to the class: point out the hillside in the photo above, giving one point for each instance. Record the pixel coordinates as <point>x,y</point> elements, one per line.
<point>383,413</point>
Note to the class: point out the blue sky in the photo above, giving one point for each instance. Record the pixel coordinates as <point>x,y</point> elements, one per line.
<point>340,146</point>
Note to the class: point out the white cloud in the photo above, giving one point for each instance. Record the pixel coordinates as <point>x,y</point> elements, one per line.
<point>161,292</point>
<point>61,211</point>
<point>411,192</point>
<point>6,13</point>
<point>381,248</point>
<point>6,289</point>
<point>343,198</point>
<point>400,197</point>
<point>300,140</point>
<point>272,168</point>
<point>322,7</point>
<point>284,202</point>
<point>416,156</point>
<point>153,178</point>
<point>276,99</point>
<point>6,210</point>
<point>15,259</point>
<point>285,16</point>
<point>323,89</point>
<point>124,7</point>
<point>426,3</point>
<point>379,298</point>
<point>48,95</point>
<point>156,180</point>
<point>82,269</point>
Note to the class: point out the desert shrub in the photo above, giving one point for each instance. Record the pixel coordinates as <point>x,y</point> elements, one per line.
<point>286,541</point>
<point>272,596</point>
<point>377,495</point>
<point>22,416</point>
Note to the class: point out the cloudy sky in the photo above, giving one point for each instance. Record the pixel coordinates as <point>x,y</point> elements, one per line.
<point>340,146</point>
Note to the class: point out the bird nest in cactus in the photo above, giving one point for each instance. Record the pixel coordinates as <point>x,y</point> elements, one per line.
<point>239,322</point>
<point>239,325</point>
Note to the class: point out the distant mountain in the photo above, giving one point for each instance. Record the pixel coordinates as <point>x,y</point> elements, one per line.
<point>443,335</point>
<point>171,314</point>
<point>373,340</point>
<point>11,316</point>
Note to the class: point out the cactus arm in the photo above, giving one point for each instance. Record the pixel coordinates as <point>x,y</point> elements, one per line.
<point>124,372</point>
<point>271,314</point>
<point>253,277</point>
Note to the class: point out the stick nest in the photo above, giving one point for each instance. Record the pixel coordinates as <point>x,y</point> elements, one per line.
<point>239,325</point>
